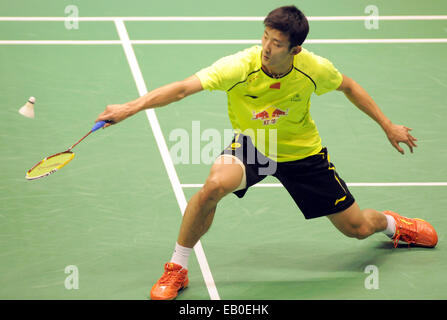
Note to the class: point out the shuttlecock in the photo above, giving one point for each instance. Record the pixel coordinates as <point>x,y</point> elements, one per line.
<point>28,109</point>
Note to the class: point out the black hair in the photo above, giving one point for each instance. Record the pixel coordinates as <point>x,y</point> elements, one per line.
<point>290,21</point>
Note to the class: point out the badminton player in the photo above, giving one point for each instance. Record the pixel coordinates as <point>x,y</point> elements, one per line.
<point>269,88</point>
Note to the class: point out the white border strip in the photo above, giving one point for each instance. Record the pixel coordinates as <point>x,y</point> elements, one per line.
<point>60,42</point>
<point>206,42</point>
<point>352,184</point>
<point>309,41</point>
<point>397,184</point>
<point>169,165</point>
<point>310,18</point>
<point>365,41</point>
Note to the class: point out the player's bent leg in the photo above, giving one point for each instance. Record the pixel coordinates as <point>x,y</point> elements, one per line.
<point>356,223</point>
<point>360,224</point>
<point>226,175</point>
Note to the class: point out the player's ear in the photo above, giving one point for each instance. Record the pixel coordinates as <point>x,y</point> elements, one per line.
<point>295,50</point>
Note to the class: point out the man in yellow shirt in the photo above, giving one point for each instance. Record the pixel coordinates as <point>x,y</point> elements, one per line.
<point>269,89</point>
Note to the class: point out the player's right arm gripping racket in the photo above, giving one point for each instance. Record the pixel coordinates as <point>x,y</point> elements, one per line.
<point>53,163</point>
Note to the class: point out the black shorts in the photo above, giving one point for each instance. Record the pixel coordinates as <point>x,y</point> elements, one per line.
<point>312,182</point>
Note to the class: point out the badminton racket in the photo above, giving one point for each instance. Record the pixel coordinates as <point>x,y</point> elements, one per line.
<point>53,163</point>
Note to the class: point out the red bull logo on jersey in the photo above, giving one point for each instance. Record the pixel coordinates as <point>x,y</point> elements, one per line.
<point>269,115</point>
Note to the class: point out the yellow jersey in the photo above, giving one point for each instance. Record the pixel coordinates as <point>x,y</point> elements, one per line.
<point>273,112</point>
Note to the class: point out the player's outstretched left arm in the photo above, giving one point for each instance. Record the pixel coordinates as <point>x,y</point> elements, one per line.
<point>360,98</point>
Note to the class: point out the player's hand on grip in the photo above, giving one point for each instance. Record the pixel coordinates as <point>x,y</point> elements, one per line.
<point>399,133</point>
<point>114,113</point>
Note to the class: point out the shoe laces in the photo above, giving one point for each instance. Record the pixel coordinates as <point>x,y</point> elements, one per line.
<point>172,277</point>
<point>405,232</point>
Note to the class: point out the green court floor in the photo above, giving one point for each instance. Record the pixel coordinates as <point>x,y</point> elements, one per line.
<point>114,213</point>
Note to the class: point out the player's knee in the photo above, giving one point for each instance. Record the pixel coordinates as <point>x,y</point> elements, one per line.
<point>213,190</point>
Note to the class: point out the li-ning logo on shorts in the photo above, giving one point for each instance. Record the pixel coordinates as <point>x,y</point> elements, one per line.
<point>269,115</point>
<point>340,200</point>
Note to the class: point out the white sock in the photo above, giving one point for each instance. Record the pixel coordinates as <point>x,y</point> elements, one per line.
<point>391,227</point>
<point>181,255</point>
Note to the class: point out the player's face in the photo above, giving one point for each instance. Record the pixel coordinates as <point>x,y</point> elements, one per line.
<point>275,48</point>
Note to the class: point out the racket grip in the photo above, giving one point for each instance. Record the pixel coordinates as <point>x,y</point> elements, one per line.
<point>99,125</point>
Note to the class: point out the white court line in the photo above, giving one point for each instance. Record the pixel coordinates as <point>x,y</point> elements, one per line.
<point>60,42</point>
<point>308,41</point>
<point>197,19</point>
<point>206,42</point>
<point>169,165</point>
<point>352,184</point>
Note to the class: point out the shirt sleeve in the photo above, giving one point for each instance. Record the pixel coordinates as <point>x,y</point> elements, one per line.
<point>327,77</point>
<point>225,72</point>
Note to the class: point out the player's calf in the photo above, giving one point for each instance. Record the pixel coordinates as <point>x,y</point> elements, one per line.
<point>356,223</point>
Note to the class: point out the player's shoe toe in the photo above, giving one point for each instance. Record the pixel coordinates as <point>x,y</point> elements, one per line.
<point>171,282</point>
<point>413,231</point>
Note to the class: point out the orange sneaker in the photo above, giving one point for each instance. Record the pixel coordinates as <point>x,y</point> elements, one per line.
<point>171,282</point>
<point>415,231</point>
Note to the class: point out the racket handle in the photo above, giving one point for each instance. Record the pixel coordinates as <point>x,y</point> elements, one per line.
<point>99,125</point>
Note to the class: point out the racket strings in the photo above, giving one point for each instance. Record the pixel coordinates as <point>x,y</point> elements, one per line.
<point>50,165</point>
<point>57,161</point>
